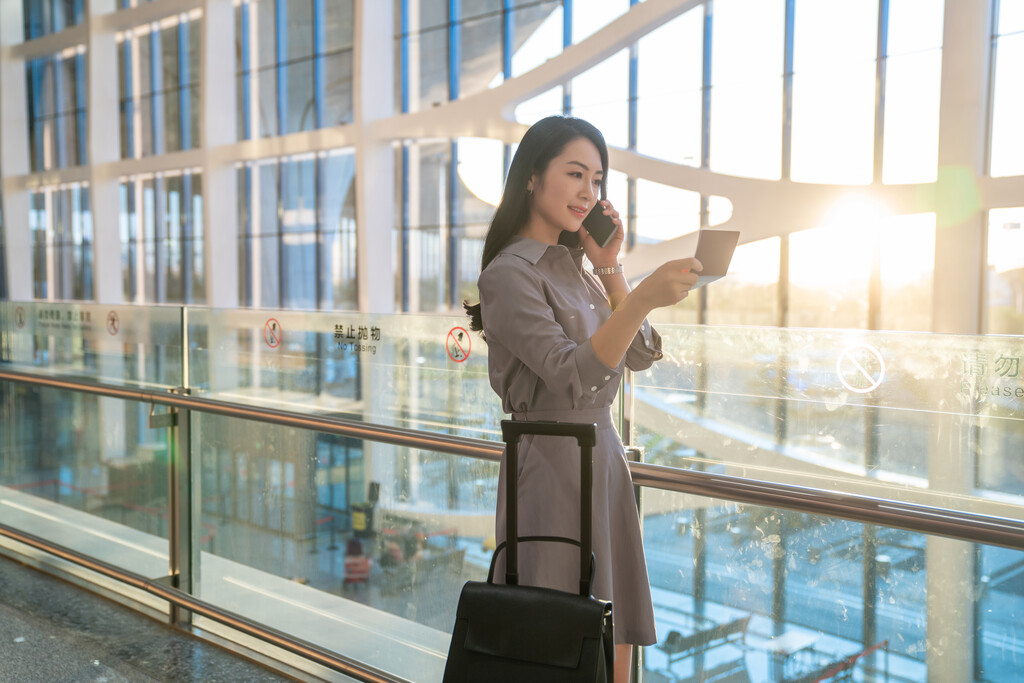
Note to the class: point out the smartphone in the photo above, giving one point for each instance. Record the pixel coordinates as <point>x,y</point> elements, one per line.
<point>600,227</point>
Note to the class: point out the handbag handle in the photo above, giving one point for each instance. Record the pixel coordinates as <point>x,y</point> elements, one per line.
<point>586,436</point>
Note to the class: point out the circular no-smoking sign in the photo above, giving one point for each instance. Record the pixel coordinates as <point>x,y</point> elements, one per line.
<point>458,344</point>
<point>861,368</point>
<point>272,333</point>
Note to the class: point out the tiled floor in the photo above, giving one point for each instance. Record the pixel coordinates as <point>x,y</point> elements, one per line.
<point>54,632</point>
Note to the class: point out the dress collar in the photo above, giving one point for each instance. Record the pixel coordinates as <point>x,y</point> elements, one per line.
<point>532,250</point>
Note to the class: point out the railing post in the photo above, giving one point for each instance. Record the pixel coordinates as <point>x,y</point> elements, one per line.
<point>636,454</point>
<point>182,553</point>
<point>183,494</point>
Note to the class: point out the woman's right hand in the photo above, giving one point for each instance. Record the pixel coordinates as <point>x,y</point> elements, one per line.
<point>669,284</point>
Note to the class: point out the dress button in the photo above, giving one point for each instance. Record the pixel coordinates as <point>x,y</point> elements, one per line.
<point>592,307</point>
<point>607,377</point>
<point>593,388</point>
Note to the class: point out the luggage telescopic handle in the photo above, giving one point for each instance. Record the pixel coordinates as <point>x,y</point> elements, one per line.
<point>586,436</point>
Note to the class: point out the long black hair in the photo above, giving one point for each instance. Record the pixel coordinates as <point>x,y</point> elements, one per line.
<point>544,141</point>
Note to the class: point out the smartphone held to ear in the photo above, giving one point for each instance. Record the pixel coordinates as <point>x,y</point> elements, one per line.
<point>600,226</point>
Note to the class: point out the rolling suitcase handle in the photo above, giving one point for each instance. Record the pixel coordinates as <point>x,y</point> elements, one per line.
<point>507,633</point>
<point>586,436</point>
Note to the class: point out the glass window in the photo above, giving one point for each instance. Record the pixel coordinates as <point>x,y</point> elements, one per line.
<point>43,17</point>
<point>338,25</point>
<point>67,97</point>
<point>298,270</point>
<point>243,48</point>
<point>301,97</point>
<point>37,224</point>
<point>427,224</point>
<point>601,96</point>
<point>337,204</point>
<point>146,146</point>
<point>264,199</point>
<point>161,238</point>
<point>913,74</point>
<point>264,31</point>
<point>195,37</point>
<point>477,192</point>
<point>61,225</point>
<point>126,110</point>
<point>481,178</point>
<point>169,63</point>
<point>55,88</point>
<point>669,104</point>
<point>749,296</point>
<point>1004,279</point>
<point>68,152</point>
<point>245,277</point>
<point>338,88</point>
<point>311,261</point>
<point>1011,17</point>
<point>746,95</point>
<point>914,26</point>
<point>160,88</point>
<point>285,66</point>
<point>128,226</point>
<point>828,277</point>
<point>664,212</point>
<point>266,267</point>
<point>430,13</point>
<point>538,35</point>
<point>428,68</point>
<point>834,91</point>
<point>298,194</point>
<point>299,32</point>
<point>907,268</point>
<point>265,96</point>
<point>618,192</point>
<point>1008,107</point>
<point>481,64</point>
<point>548,103</point>
<point>598,14</point>
<point>3,264</point>
<point>911,136</point>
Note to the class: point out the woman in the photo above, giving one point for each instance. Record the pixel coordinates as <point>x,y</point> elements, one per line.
<point>558,338</point>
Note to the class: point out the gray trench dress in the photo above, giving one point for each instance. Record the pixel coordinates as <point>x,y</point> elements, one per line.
<point>539,311</point>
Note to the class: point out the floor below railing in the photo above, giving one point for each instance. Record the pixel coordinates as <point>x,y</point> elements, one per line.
<point>51,630</point>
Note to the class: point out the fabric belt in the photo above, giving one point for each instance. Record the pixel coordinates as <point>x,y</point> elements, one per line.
<point>601,416</point>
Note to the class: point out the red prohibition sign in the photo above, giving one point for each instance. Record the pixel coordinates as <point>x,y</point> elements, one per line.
<point>458,344</point>
<point>272,333</point>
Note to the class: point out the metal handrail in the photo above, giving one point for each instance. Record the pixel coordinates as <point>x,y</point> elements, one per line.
<point>965,526</point>
<point>298,646</point>
<point>474,448</point>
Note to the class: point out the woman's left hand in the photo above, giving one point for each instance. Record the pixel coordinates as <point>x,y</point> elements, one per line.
<point>608,255</point>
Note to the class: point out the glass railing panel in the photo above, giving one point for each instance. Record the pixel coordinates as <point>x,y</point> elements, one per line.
<point>763,594</point>
<point>419,372</point>
<point>85,472</point>
<point>935,419</point>
<point>123,345</point>
<point>359,547</point>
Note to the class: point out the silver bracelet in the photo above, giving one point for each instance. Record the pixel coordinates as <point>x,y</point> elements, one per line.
<point>610,270</point>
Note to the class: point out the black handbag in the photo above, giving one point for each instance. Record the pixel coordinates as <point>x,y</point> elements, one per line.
<point>512,633</point>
